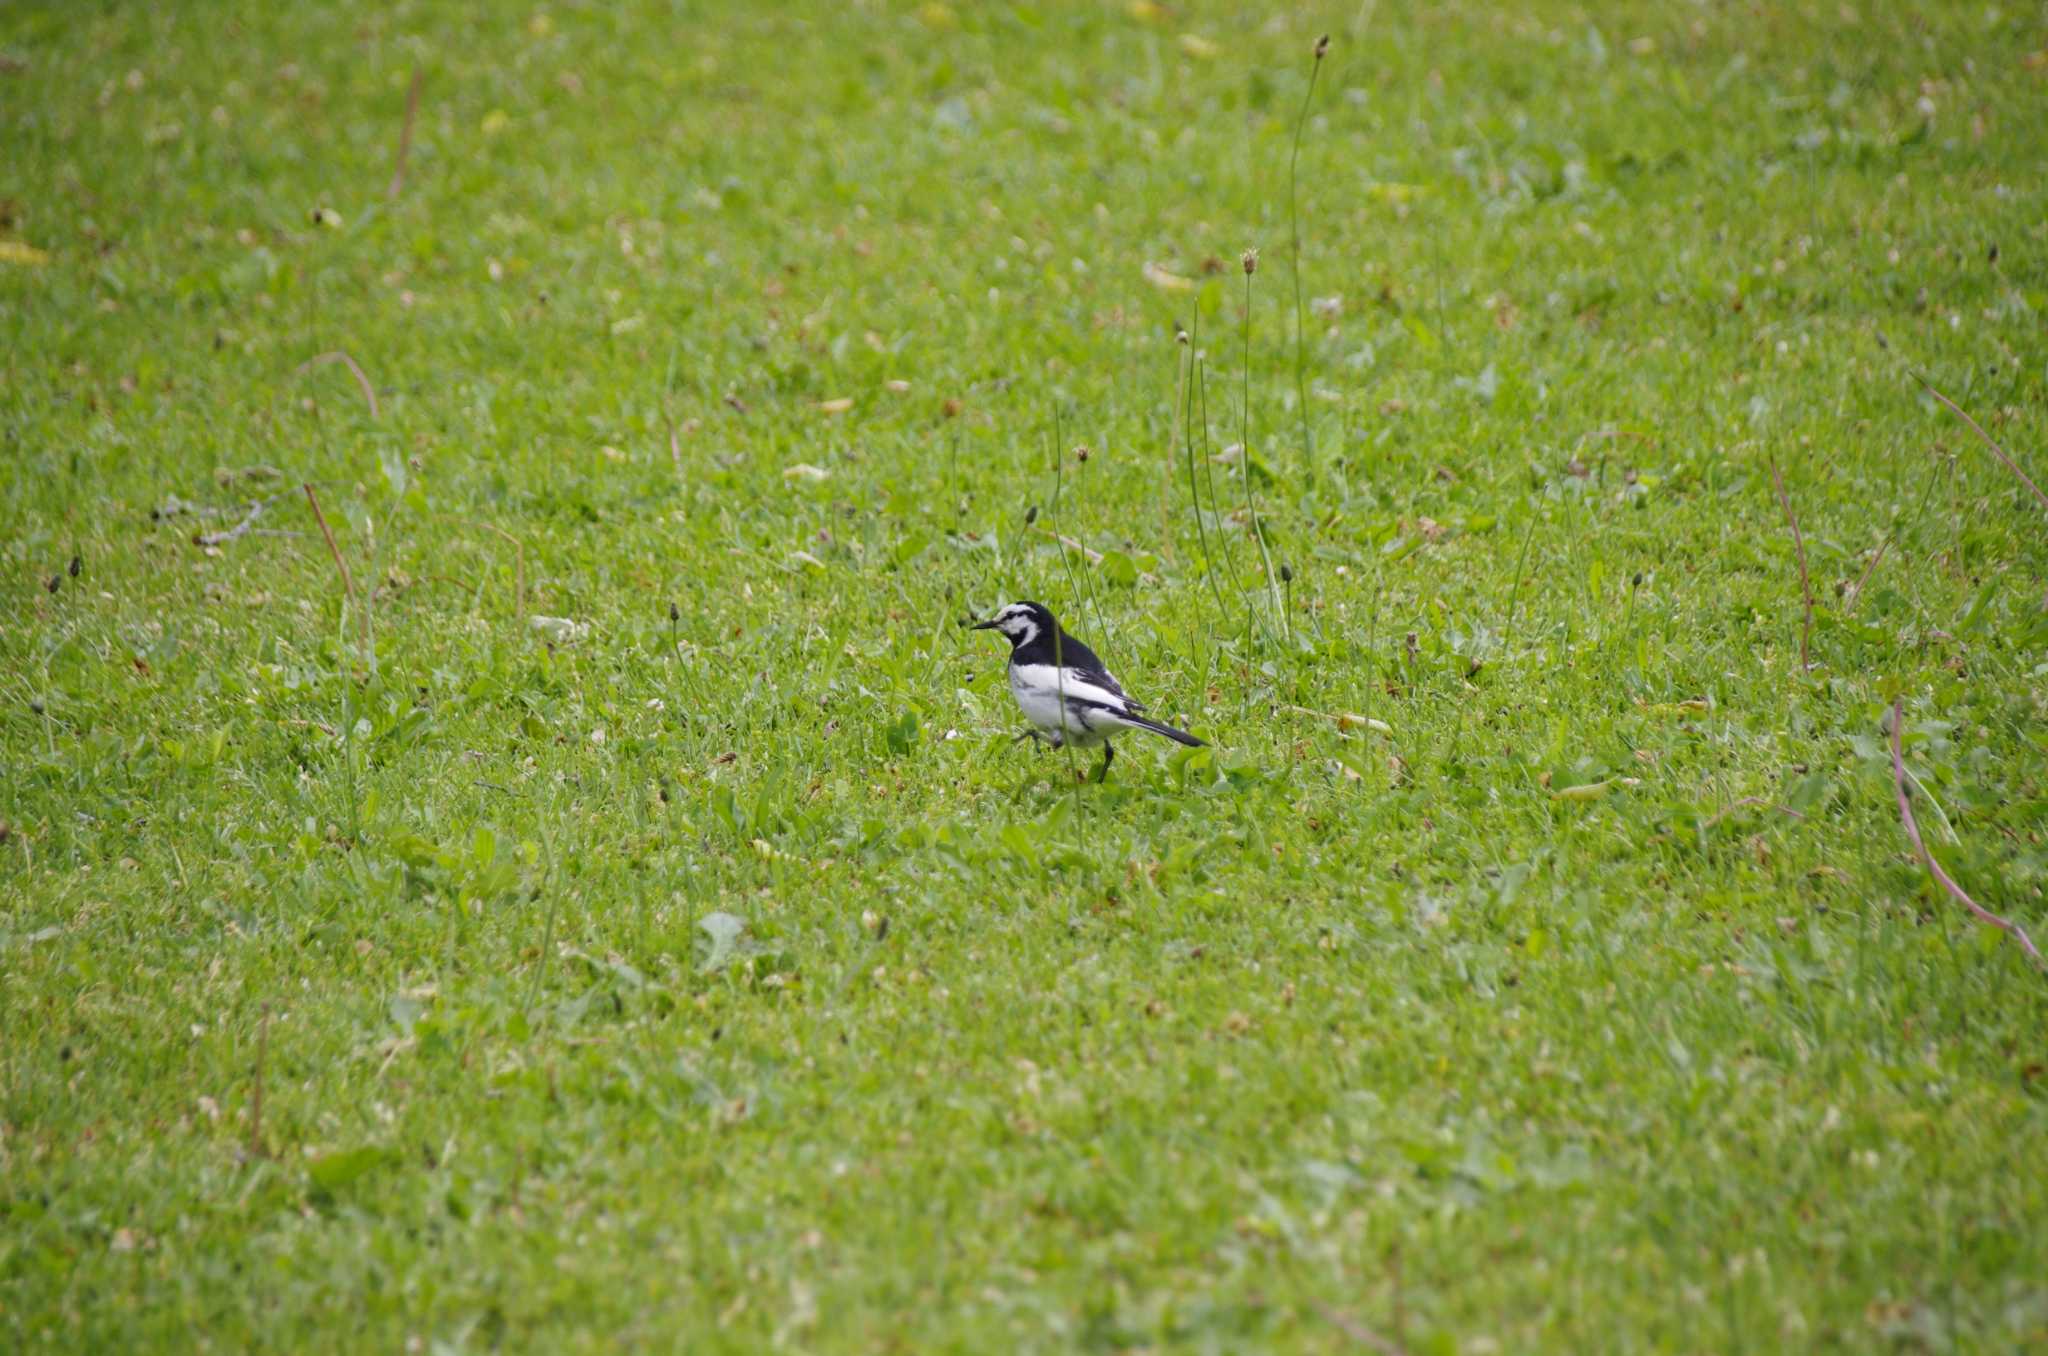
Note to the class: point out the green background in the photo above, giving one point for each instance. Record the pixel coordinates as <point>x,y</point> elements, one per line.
<point>725,977</point>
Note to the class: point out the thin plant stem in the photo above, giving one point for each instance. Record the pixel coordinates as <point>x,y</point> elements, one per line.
<point>1187,431</point>
<point>1087,569</point>
<point>1194,484</point>
<point>1209,474</point>
<point>1059,663</point>
<point>1059,538</point>
<point>1180,380</point>
<point>1251,502</point>
<point>348,738</point>
<point>1308,446</point>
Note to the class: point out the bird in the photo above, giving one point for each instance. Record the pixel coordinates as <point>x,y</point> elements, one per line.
<point>1067,694</point>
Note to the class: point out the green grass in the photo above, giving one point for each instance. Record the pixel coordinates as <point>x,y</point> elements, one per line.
<point>732,980</point>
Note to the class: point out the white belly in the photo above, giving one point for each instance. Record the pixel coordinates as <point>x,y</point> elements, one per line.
<point>1039,694</point>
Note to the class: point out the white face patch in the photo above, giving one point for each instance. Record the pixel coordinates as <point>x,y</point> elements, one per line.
<point>1016,623</point>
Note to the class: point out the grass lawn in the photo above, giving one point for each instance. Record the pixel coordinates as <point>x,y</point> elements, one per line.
<point>614,914</point>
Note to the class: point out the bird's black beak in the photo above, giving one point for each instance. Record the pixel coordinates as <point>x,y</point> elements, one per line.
<point>983,626</point>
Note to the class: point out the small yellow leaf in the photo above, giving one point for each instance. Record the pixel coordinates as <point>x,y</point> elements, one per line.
<point>19,252</point>
<point>1146,11</point>
<point>937,16</point>
<point>1165,281</point>
<point>1595,790</point>
<point>1199,47</point>
<point>803,470</point>
<point>837,406</point>
<point>495,121</point>
<point>1692,706</point>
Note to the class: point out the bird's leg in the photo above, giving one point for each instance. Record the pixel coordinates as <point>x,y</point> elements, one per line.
<point>1108,754</point>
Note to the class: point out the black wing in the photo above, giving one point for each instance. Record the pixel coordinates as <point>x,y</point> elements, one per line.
<point>1090,669</point>
<point>1075,656</point>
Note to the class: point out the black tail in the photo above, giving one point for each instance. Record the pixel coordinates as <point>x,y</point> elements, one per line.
<point>1177,736</point>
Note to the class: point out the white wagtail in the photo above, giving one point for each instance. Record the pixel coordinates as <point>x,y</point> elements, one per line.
<point>1067,694</point>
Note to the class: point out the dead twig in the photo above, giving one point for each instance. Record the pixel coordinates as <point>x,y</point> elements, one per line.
<point>348,585</point>
<point>1180,377</point>
<point>1400,1302</point>
<point>355,369</point>
<point>1983,915</point>
<point>256,1149</point>
<point>1798,546</point>
<point>242,528</point>
<point>174,507</point>
<point>1989,441</point>
<point>412,108</point>
<point>1358,1332</point>
<point>236,532</point>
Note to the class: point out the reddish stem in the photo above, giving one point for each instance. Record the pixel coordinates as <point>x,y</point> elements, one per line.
<point>348,585</point>
<point>1989,441</point>
<point>355,370</point>
<point>1982,914</point>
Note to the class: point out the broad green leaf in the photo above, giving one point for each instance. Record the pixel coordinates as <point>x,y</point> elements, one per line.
<point>332,1172</point>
